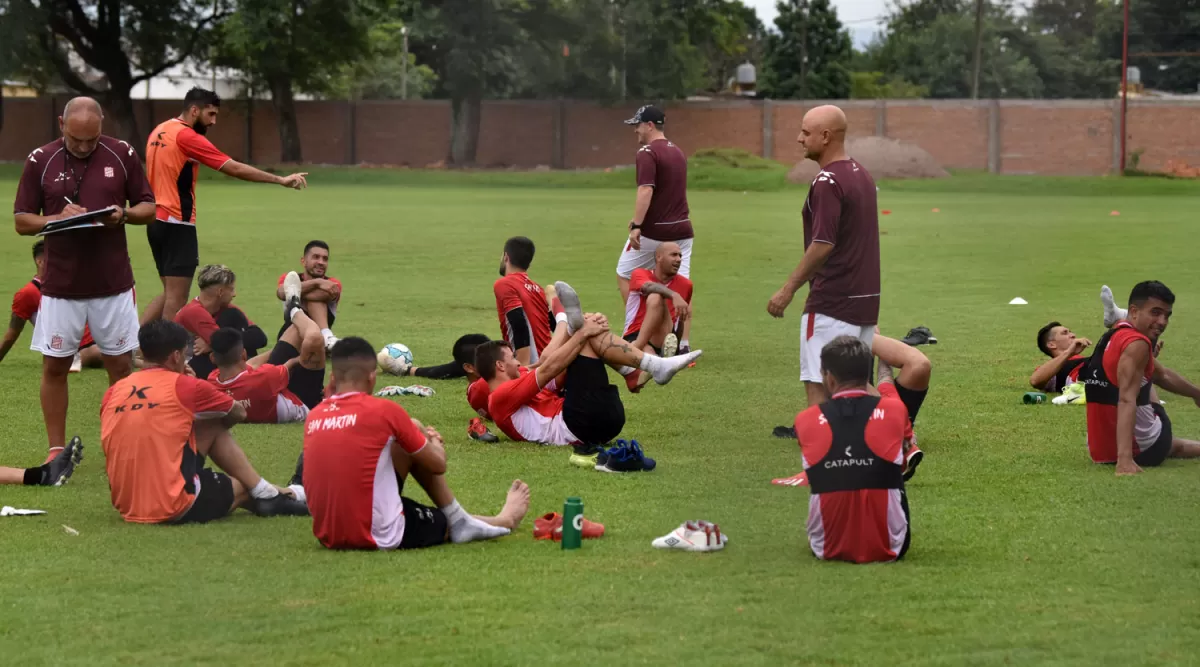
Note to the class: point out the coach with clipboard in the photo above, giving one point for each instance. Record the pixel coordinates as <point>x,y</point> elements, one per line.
<point>79,192</point>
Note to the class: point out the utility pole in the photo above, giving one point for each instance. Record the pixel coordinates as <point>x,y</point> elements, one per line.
<point>804,50</point>
<point>978,49</point>
<point>404,64</point>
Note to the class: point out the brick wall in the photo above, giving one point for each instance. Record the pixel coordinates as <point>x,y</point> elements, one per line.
<point>1010,136</point>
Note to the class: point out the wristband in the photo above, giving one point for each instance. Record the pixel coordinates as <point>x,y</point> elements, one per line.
<point>632,226</point>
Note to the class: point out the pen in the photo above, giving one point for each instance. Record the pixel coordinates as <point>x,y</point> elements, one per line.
<point>69,200</point>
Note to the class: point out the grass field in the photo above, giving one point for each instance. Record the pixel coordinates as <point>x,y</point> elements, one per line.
<point>1023,552</point>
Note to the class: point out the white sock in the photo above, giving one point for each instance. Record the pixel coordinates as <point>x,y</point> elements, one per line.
<point>684,343</point>
<point>562,317</point>
<point>626,370</point>
<point>651,363</point>
<point>327,333</point>
<point>1112,314</point>
<point>300,494</point>
<point>466,528</point>
<point>264,490</point>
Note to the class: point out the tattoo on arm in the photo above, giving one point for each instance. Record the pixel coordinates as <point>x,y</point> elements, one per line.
<point>655,288</point>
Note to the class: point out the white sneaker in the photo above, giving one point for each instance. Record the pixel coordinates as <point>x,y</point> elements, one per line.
<point>693,536</point>
<point>670,345</point>
<point>76,364</point>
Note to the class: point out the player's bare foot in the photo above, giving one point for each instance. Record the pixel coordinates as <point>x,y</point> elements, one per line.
<point>516,505</point>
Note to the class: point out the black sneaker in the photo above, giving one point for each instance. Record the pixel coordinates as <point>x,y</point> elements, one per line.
<point>478,431</point>
<point>59,469</point>
<point>298,476</point>
<point>785,432</point>
<point>919,336</point>
<point>280,505</point>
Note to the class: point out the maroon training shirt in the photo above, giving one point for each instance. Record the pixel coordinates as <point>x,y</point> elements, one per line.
<point>92,262</point>
<point>841,210</point>
<point>662,165</point>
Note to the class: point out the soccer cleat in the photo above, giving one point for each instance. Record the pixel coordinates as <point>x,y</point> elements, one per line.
<point>648,463</point>
<point>478,431</point>
<point>717,529</point>
<point>785,432</point>
<point>298,476</point>
<point>280,505</point>
<point>570,303</point>
<point>52,454</point>
<point>586,456</point>
<point>549,527</point>
<point>919,336</point>
<point>1072,394</point>
<point>292,286</point>
<point>674,365</point>
<point>670,345</point>
<point>636,380</point>
<point>76,364</point>
<point>692,536</point>
<point>58,470</point>
<point>912,459</point>
<point>799,479</point>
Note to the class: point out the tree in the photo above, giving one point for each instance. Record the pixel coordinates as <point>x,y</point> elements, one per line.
<point>877,86</point>
<point>290,45</point>
<point>382,74</point>
<point>103,48</point>
<point>726,33</point>
<point>1165,26</point>
<point>661,62</point>
<point>809,58</point>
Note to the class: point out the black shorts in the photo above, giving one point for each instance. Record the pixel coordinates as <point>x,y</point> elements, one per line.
<point>1161,449</point>
<point>592,407</point>
<point>175,248</point>
<point>215,500</point>
<point>305,383</point>
<point>632,337</point>
<point>423,526</point>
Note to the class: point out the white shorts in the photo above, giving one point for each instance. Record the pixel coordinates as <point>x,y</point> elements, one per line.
<point>644,259</point>
<point>60,322</point>
<point>816,331</point>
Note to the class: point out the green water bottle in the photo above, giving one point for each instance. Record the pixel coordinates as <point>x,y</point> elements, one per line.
<point>572,529</point>
<point>1034,398</point>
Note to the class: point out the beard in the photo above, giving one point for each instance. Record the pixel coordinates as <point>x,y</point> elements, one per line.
<point>200,127</point>
<point>502,274</point>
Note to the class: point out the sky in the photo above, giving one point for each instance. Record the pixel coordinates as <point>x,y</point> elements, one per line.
<point>861,17</point>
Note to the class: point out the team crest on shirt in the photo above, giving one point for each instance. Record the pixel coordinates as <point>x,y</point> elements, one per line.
<point>108,172</point>
<point>56,342</point>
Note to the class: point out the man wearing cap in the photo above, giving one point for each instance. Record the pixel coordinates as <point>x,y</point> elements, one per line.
<point>660,213</point>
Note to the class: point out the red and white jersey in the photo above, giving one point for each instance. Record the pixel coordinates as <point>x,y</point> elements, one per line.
<point>349,477</point>
<point>635,306</point>
<point>514,291</point>
<point>1103,395</point>
<point>861,521</point>
<point>478,393</point>
<point>27,301</point>
<point>263,391</point>
<point>526,412</point>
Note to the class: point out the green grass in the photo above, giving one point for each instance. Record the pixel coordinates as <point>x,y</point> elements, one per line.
<point>1023,552</point>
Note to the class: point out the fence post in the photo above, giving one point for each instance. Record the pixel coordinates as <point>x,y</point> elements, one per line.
<point>881,118</point>
<point>248,129</point>
<point>352,132</point>
<point>1116,136</point>
<point>994,137</point>
<point>768,130</point>
<point>558,157</point>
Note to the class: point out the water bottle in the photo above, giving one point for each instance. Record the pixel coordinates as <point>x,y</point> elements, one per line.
<point>572,528</point>
<point>1034,398</point>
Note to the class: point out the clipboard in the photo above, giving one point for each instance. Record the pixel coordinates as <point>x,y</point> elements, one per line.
<point>81,221</point>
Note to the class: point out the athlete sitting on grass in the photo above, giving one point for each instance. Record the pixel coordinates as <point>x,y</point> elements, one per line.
<point>319,293</point>
<point>54,472</point>
<point>658,311</point>
<point>273,394</point>
<point>853,448</point>
<point>903,374</point>
<point>359,451</point>
<point>1125,425</point>
<point>211,310</point>
<point>158,426</point>
<point>589,411</point>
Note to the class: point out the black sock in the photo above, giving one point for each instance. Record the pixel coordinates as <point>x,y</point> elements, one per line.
<point>448,371</point>
<point>912,400</point>
<point>34,476</point>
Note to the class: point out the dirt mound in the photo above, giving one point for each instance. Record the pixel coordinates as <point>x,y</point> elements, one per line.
<point>884,158</point>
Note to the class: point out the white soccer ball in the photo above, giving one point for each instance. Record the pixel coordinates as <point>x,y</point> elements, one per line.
<point>395,359</point>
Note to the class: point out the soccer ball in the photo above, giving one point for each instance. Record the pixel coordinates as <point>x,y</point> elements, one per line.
<point>395,359</point>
